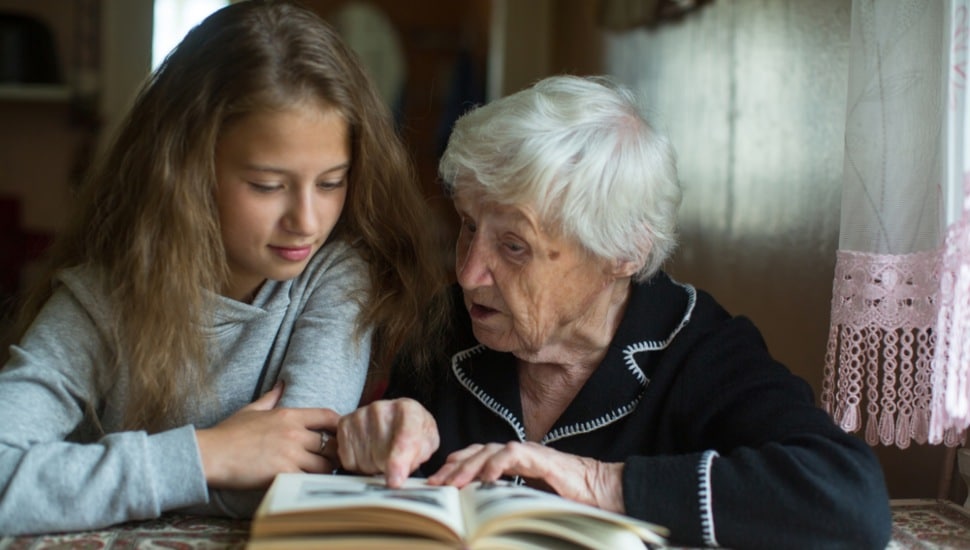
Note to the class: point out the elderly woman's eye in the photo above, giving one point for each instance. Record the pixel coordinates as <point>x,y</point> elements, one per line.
<point>514,247</point>
<point>469,225</point>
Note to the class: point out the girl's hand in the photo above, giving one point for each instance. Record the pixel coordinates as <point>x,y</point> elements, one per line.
<point>393,437</point>
<point>248,449</point>
<point>573,477</point>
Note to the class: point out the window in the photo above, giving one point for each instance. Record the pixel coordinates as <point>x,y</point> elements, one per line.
<point>173,19</point>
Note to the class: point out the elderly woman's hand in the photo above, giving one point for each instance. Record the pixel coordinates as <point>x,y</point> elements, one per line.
<point>393,437</point>
<point>571,476</point>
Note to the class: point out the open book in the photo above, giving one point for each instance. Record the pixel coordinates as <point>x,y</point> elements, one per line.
<point>361,512</point>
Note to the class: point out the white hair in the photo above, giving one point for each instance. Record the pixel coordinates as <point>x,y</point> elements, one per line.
<point>581,152</point>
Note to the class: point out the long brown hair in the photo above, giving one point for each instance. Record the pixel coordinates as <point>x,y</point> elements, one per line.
<point>148,219</point>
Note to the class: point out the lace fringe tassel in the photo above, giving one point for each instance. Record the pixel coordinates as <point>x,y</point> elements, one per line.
<point>951,362</point>
<point>880,373</point>
<point>895,395</point>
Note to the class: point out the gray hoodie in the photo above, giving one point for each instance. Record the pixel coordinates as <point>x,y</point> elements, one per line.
<point>59,472</point>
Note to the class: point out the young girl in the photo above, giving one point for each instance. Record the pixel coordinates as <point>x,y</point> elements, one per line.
<point>255,227</point>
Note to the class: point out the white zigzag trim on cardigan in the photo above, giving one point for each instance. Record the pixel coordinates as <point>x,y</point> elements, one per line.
<point>486,399</point>
<point>628,353</point>
<point>704,495</point>
<point>591,425</point>
<point>653,345</point>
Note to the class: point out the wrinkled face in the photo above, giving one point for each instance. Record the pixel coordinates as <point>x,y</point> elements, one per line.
<point>527,289</point>
<point>281,185</point>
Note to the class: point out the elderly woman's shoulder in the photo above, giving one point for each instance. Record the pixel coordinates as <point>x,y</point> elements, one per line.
<point>664,297</point>
<point>702,316</point>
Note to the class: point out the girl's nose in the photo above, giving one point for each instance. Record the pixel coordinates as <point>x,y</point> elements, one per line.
<point>301,216</point>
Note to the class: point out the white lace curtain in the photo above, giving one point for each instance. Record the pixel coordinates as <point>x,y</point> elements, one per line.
<point>898,359</point>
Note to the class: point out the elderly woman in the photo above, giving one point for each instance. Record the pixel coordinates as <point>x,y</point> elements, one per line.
<point>577,365</point>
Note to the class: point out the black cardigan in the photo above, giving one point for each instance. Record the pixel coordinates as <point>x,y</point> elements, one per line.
<point>721,443</point>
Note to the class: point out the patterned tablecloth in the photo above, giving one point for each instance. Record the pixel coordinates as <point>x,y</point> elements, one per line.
<point>929,524</point>
<point>923,524</point>
<point>173,531</point>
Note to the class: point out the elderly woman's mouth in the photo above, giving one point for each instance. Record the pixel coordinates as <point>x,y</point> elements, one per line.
<point>478,311</point>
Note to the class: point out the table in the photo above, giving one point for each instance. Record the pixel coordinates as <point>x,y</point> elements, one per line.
<point>170,531</point>
<point>929,524</point>
<point>924,524</point>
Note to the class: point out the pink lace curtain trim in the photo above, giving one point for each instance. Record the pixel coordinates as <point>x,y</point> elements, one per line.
<point>951,367</point>
<point>878,363</point>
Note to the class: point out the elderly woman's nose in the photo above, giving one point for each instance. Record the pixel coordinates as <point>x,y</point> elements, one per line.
<point>473,266</point>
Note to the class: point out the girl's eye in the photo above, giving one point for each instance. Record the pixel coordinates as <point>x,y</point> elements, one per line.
<point>328,185</point>
<point>264,187</point>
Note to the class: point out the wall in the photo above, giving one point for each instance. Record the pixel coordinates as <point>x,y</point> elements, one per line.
<point>44,138</point>
<point>39,140</point>
<point>50,133</point>
<point>125,60</point>
<point>529,40</point>
<point>753,96</point>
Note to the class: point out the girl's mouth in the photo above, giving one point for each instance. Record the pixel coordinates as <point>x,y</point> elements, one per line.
<point>292,254</point>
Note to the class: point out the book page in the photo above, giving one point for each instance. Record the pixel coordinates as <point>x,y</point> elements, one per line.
<point>567,533</point>
<point>499,507</point>
<point>341,494</point>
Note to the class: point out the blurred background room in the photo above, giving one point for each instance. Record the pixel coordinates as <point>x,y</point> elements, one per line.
<point>752,94</point>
